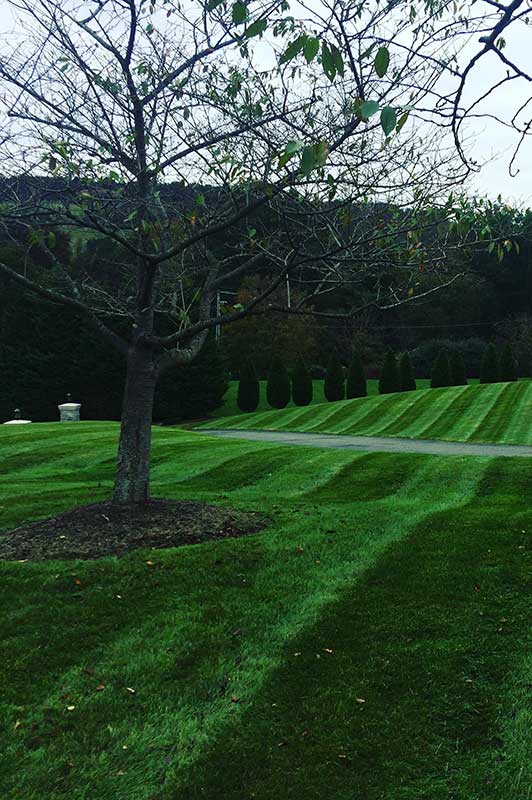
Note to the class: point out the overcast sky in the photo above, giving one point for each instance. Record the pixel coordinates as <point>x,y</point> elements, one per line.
<point>488,140</point>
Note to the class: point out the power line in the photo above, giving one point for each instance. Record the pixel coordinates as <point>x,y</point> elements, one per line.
<point>441,325</point>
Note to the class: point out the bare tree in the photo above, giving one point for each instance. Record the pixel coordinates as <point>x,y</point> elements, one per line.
<point>215,140</point>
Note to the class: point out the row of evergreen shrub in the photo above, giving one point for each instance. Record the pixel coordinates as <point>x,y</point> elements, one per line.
<point>396,376</point>
<point>449,369</point>
<point>280,388</point>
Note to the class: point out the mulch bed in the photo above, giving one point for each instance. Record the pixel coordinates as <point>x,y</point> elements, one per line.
<point>102,529</point>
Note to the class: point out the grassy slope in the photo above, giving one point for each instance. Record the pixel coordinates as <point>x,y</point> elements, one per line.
<point>410,568</point>
<point>230,407</point>
<point>499,412</point>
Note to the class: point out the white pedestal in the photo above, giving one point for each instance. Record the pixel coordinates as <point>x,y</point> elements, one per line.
<point>69,412</point>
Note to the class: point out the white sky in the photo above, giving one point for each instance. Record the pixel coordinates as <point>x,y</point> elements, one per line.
<point>488,140</point>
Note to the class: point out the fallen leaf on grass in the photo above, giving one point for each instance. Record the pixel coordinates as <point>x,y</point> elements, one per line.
<point>131,690</point>
<point>100,687</point>
<point>18,723</point>
<point>71,708</point>
<point>327,650</point>
<point>360,700</point>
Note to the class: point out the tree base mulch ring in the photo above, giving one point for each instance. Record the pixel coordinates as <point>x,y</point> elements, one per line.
<point>102,529</point>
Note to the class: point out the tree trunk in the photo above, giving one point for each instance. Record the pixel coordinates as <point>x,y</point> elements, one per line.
<point>132,483</point>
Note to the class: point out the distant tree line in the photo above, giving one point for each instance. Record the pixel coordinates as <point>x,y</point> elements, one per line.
<point>41,362</point>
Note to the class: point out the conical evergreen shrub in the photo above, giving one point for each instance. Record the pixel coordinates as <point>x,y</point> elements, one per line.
<point>441,371</point>
<point>248,394</point>
<point>406,374</point>
<point>489,368</point>
<point>278,386</point>
<point>458,371</point>
<point>389,377</point>
<point>334,384</point>
<point>356,378</point>
<point>301,384</point>
<point>507,364</point>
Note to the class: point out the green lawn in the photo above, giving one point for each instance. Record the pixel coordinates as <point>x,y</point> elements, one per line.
<point>230,407</point>
<point>497,412</point>
<point>372,643</point>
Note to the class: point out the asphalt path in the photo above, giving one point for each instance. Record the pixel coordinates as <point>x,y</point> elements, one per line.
<point>379,444</point>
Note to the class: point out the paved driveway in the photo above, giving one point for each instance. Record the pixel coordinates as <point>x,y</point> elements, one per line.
<point>380,444</point>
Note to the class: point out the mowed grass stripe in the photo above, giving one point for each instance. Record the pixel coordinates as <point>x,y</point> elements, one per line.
<point>439,400</point>
<point>483,409</point>
<point>335,415</point>
<point>518,428</point>
<point>372,477</point>
<point>470,405</point>
<point>399,424</point>
<point>495,421</point>
<point>376,410</point>
<point>460,401</point>
<point>242,470</point>
<point>390,410</point>
<point>400,683</point>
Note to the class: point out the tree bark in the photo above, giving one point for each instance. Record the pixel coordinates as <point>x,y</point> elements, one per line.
<point>132,483</point>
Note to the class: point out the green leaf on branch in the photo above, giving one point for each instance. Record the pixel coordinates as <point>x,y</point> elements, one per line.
<point>311,47</point>
<point>388,120</point>
<point>314,155</point>
<point>293,49</point>
<point>338,61</point>
<point>368,109</point>
<point>382,61</point>
<point>327,61</point>
<point>75,211</point>
<point>308,160</point>
<point>291,149</point>
<point>402,119</point>
<point>322,151</point>
<point>256,28</point>
<point>240,12</point>
<point>294,146</point>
